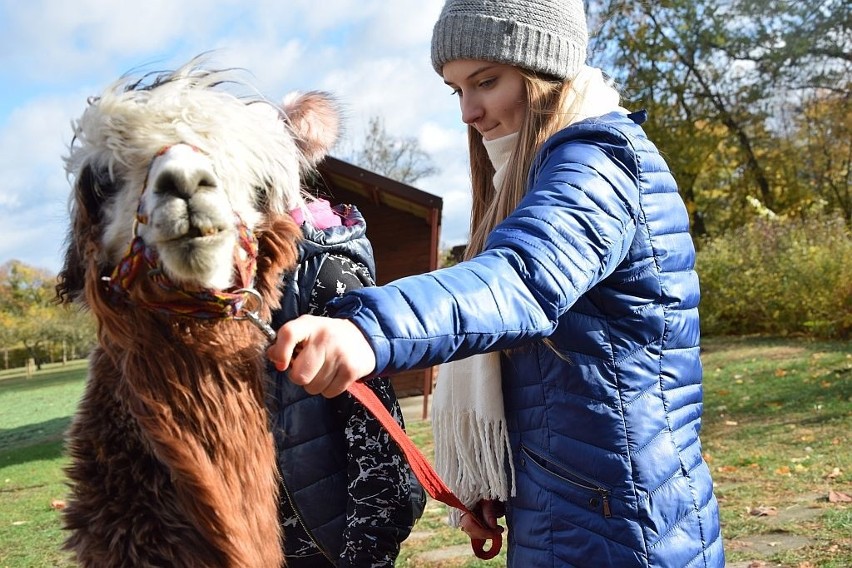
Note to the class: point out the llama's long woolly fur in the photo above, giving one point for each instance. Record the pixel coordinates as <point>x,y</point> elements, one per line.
<point>172,461</point>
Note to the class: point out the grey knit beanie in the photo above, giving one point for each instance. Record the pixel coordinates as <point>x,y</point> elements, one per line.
<point>547,36</point>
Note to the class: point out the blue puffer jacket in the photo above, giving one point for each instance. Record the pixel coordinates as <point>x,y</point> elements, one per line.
<point>596,258</point>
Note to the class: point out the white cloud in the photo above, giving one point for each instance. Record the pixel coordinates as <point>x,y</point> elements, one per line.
<point>372,54</point>
<point>35,190</point>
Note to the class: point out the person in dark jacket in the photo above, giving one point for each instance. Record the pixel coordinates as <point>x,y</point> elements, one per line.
<point>348,497</point>
<point>577,305</point>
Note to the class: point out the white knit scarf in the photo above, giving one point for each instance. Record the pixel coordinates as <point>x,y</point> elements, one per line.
<point>472,452</point>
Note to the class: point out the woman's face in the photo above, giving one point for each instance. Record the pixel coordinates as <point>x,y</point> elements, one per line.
<point>492,96</point>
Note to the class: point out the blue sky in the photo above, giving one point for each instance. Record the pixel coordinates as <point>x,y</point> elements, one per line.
<point>372,54</point>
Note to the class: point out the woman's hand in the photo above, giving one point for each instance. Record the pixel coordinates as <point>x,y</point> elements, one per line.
<point>324,355</point>
<point>488,512</point>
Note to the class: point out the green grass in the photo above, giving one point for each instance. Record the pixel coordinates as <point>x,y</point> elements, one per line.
<point>778,413</point>
<point>34,414</point>
<point>777,418</point>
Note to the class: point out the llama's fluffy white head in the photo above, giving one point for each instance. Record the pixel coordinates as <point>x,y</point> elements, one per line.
<point>181,159</point>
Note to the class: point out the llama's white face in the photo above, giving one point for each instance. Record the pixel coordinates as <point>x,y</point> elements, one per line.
<point>181,164</point>
<point>189,218</point>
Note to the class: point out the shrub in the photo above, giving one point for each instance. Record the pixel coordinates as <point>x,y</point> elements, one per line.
<point>778,276</point>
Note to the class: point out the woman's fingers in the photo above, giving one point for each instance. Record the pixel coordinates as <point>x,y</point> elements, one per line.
<point>324,355</point>
<point>477,531</point>
<point>491,510</point>
<point>485,527</point>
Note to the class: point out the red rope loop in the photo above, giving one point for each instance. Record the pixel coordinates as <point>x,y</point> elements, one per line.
<point>428,477</point>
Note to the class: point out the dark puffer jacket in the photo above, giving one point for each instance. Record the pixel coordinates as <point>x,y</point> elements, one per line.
<point>604,419</point>
<point>348,497</point>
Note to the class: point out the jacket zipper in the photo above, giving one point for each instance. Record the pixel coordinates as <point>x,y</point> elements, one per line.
<point>604,494</point>
<point>579,481</point>
<point>302,523</point>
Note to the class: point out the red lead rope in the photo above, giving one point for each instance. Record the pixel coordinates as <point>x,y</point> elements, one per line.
<point>429,479</point>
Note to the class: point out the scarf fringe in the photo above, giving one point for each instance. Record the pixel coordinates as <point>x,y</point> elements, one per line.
<point>471,455</point>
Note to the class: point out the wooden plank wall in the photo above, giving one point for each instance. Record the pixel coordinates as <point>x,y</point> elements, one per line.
<point>401,247</point>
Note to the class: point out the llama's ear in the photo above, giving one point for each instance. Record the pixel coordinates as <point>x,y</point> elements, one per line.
<point>84,216</point>
<point>314,118</point>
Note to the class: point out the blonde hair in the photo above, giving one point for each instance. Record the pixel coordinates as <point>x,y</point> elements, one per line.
<point>552,105</point>
<point>544,117</point>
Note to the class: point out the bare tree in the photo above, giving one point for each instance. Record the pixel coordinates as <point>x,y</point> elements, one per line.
<point>399,158</point>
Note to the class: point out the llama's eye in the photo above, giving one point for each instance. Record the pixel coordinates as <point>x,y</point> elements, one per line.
<point>261,198</point>
<point>101,184</point>
<point>94,186</point>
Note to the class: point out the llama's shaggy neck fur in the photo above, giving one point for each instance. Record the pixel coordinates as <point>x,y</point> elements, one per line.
<point>172,458</point>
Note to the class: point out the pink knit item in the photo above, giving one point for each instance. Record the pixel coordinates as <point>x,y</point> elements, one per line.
<point>321,212</point>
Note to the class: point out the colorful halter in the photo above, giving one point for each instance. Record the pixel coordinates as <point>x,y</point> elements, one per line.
<point>141,259</point>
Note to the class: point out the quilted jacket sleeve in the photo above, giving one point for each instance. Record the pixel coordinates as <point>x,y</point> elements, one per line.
<point>571,230</point>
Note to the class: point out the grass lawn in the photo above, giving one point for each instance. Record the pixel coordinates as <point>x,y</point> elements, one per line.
<point>778,413</point>
<point>34,414</point>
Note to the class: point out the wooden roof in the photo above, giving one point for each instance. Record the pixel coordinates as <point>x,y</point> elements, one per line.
<point>380,189</point>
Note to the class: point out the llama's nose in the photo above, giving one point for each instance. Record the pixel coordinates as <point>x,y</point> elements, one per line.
<point>184,182</point>
<point>182,171</point>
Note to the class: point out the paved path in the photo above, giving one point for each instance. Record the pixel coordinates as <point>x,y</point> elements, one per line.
<point>412,408</point>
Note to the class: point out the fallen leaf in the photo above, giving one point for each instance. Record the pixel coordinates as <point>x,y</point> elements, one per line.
<point>757,564</point>
<point>838,497</point>
<point>58,504</point>
<point>783,470</point>
<point>834,473</point>
<point>731,423</point>
<point>763,511</point>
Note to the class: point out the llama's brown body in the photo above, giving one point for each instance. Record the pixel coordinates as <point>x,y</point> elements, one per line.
<point>182,193</point>
<point>173,463</point>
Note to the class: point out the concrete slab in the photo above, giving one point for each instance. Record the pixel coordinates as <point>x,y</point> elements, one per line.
<point>412,408</point>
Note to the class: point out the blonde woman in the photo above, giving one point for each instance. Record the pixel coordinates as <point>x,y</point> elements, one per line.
<point>572,396</point>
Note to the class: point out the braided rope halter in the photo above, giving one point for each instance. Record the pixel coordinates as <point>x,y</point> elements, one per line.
<point>141,259</point>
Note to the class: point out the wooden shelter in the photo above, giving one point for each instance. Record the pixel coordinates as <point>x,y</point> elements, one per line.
<point>404,227</point>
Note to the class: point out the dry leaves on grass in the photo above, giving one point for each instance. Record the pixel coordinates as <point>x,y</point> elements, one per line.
<point>838,497</point>
<point>762,511</point>
<point>835,473</point>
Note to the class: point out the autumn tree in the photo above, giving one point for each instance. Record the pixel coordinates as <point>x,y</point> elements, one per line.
<point>742,96</point>
<point>31,318</point>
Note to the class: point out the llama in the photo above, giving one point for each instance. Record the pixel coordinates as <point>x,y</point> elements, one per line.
<point>180,229</point>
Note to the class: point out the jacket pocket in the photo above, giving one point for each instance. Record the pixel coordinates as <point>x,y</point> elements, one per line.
<point>577,488</point>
